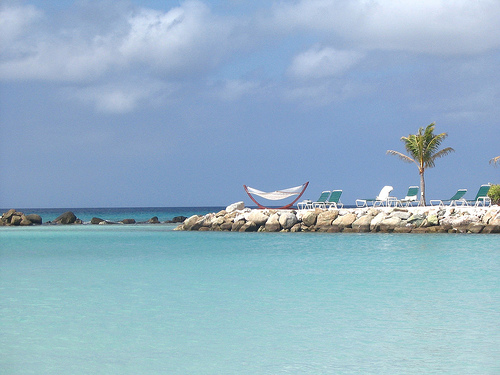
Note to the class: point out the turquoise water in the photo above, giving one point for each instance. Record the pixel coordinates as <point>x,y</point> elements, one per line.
<point>150,300</point>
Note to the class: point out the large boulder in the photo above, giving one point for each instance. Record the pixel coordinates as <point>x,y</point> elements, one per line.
<point>362,224</point>
<point>190,222</point>
<point>345,221</point>
<point>309,218</point>
<point>15,219</point>
<point>388,224</point>
<point>258,217</point>
<point>34,218</point>
<point>325,218</point>
<point>288,220</point>
<point>273,223</point>
<point>249,226</point>
<point>238,206</point>
<point>25,221</point>
<point>66,218</point>
<point>375,222</point>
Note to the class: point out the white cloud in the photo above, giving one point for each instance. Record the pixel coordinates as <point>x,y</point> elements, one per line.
<point>186,38</point>
<point>428,26</point>
<point>236,89</point>
<point>121,97</point>
<point>323,62</point>
<point>14,21</point>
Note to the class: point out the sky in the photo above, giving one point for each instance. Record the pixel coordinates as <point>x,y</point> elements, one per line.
<point>179,103</point>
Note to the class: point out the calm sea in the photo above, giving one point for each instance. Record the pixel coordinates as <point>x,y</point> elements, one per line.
<point>144,299</point>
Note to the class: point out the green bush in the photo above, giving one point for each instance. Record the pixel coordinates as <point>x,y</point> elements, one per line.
<point>494,194</point>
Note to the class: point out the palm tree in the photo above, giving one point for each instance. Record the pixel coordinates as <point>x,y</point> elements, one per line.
<point>423,149</point>
<point>495,161</point>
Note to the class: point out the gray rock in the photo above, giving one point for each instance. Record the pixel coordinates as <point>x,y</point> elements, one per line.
<point>128,221</point>
<point>34,218</point>
<point>66,218</point>
<point>249,226</point>
<point>288,220</point>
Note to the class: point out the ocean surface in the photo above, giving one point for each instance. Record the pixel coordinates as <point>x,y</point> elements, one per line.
<point>144,299</point>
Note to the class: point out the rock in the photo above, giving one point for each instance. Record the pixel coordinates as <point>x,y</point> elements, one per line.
<point>221,213</point>
<point>258,217</point>
<point>249,226</point>
<point>296,228</point>
<point>66,218</point>
<point>217,222</point>
<point>34,218</point>
<point>491,229</point>
<point>402,229</point>
<point>403,215</point>
<point>238,206</point>
<point>375,223</point>
<point>128,221</point>
<point>416,220</point>
<point>388,224</point>
<point>25,221</point>
<point>430,220</point>
<point>154,220</point>
<point>96,220</point>
<point>362,224</point>
<point>190,222</point>
<point>309,218</point>
<point>475,228</point>
<point>179,219</point>
<point>273,224</point>
<point>325,218</point>
<point>7,215</point>
<point>287,220</point>
<point>237,225</point>
<point>226,226</point>
<point>15,220</point>
<point>345,221</point>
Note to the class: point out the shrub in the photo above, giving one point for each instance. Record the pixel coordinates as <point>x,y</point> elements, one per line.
<point>494,194</point>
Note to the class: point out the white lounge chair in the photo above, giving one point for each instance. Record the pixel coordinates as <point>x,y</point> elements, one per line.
<point>382,199</point>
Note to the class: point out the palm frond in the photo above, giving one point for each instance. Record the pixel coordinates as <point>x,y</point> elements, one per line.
<point>403,157</point>
<point>430,163</point>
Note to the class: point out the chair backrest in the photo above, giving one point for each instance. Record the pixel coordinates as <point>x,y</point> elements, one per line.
<point>324,196</point>
<point>412,193</point>
<point>384,193</point>
<point>459,194</point>
<point>482,192</point>
<point>335,196</point>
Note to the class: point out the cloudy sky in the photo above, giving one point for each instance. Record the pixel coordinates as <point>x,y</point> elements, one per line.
<point>179,103</point>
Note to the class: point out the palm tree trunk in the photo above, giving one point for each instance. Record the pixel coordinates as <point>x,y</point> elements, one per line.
<point>422,188</point>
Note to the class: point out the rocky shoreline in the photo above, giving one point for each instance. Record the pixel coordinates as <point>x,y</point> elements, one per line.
<point>17,218</point>
<point>430,219</point>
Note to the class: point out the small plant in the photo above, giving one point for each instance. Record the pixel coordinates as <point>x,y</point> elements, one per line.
<point>494,194</point>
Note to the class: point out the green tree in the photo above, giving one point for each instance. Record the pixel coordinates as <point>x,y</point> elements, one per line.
<point>423,149</point>
<point>495,161</point>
